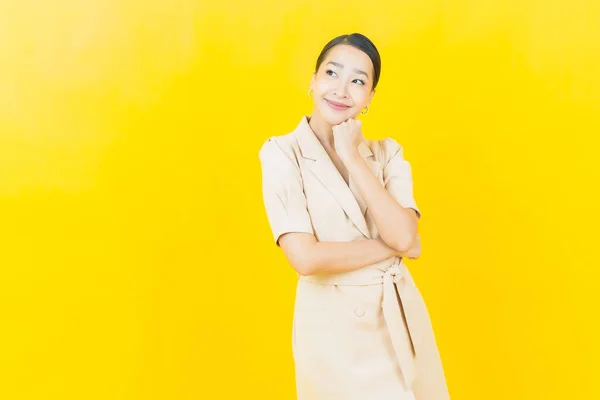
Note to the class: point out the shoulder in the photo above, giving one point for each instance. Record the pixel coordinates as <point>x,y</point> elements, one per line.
<point>385,149</point>
<point>279,156</point>
<point>279,147</point>
<point>277,144</point>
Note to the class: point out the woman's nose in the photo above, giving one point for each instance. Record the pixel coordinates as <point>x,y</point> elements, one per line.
<point>340,90</point>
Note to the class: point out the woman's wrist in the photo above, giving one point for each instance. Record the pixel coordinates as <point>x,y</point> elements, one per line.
<point>349,157</point>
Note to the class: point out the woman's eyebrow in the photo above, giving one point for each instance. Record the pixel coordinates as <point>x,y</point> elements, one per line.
<point>358,71</point>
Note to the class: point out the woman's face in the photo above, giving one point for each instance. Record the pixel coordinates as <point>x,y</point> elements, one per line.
<point>342,85</point>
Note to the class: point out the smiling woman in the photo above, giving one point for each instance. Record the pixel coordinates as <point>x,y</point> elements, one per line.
<point>341,208</point>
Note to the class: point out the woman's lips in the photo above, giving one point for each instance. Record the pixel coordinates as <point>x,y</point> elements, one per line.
<point>337,106</point>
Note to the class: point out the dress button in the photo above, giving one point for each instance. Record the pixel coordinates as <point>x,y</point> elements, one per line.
<point>359,312</point>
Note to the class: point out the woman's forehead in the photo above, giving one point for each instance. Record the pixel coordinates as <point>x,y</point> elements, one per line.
<point>350,57</point>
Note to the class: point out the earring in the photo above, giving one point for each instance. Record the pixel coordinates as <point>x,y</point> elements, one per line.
<point>310,93</point>
<point>366,110</point>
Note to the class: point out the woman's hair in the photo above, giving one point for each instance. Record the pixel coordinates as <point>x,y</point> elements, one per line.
<point>362,43</point>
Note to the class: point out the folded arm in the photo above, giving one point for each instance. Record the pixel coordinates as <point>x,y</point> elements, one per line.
<point>310,257</point>
<point>396,224</point>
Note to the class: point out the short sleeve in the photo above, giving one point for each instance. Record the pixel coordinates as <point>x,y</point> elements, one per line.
<point>397,175</point>
<point>283,193</point>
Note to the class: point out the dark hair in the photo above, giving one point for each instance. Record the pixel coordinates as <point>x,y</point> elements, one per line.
<point>362,43</point>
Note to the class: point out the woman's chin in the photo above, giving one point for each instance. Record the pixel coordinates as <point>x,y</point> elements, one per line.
<point>336,118</point>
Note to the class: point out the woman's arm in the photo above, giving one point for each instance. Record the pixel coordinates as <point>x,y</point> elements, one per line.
<point>397,225</point>
<point>310,257</point>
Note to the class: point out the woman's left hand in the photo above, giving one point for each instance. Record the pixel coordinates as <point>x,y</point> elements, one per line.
<point>346,138</point>
<point>414,252</point>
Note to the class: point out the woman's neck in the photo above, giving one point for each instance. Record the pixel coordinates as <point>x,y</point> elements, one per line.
<point>322,130</point>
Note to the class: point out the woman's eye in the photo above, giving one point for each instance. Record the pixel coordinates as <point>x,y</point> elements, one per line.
<point>359,81</point>
<point>330,72</point>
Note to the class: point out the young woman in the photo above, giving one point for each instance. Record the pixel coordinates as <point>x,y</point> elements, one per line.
<point>342,210</point>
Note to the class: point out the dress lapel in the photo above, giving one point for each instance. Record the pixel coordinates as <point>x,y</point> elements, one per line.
<point>322,167</point>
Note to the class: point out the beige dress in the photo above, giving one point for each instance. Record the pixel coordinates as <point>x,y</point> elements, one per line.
<point>359,335</point>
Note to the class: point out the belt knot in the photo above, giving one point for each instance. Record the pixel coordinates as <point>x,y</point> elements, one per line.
<point>395,273</point>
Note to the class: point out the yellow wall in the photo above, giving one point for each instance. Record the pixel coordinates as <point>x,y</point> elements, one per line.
<point>136,260</point>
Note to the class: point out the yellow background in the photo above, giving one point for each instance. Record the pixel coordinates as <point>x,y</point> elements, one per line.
<point>136,260</point>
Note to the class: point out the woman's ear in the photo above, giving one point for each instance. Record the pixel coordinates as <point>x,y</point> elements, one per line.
<point>371,97</point>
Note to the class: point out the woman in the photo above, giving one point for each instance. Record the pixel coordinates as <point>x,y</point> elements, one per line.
<point>342,210</point>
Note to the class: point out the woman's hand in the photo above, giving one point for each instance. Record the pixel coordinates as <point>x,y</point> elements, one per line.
<point>413,253</point>
<point>347,136</point>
